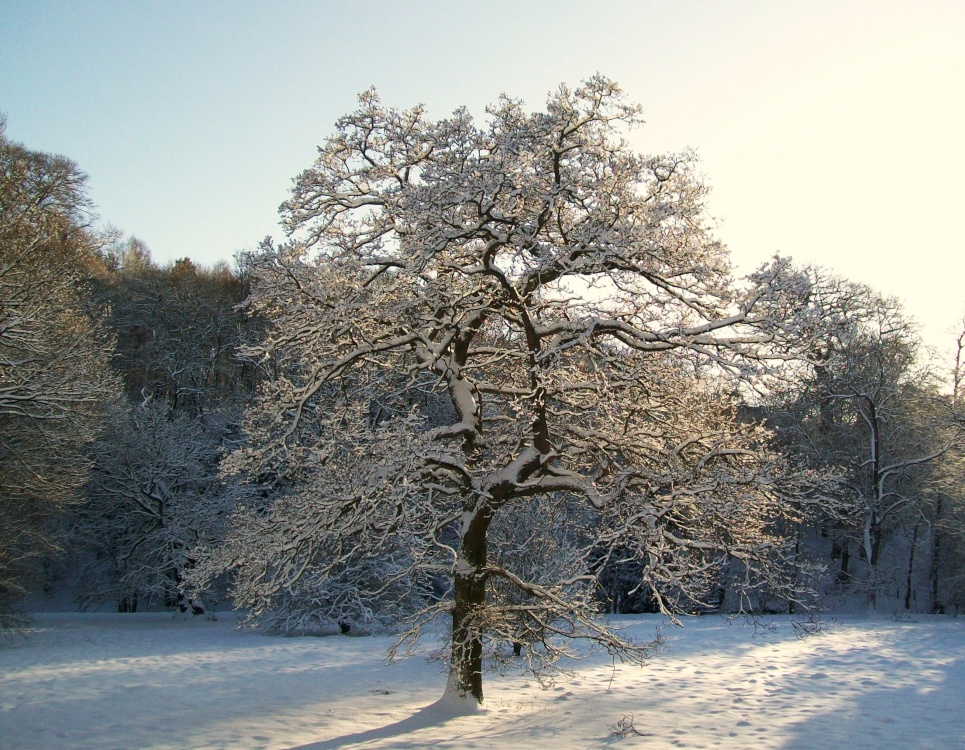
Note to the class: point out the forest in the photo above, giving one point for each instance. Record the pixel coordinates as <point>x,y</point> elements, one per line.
<point>500,376</point>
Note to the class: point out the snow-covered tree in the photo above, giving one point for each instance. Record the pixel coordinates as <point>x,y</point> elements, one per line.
<point>54,374</point>
<point>155,494</point>
<point>958,369</point>
<point>473,320</point>
<point>948,551</point>
<point>867,401</point>
<point>177,329</point>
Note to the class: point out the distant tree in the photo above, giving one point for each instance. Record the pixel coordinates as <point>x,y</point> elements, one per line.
<point>154,495</point>
<point>867,403</point>
<point>948,554</point>
<point>178,329</point>
<point>540,277</point>
<point>54,376</point>
<point>958,369</point>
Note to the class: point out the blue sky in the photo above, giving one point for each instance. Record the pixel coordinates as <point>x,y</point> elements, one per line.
<point>829,131</point>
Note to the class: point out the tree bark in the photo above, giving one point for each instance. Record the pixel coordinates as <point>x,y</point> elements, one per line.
<point>911,567</point>
<point>469,603</point>
<point>936,607</point>
<point>844,574</point>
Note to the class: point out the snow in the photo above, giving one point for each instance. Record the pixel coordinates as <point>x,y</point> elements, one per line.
<point>162,681</point>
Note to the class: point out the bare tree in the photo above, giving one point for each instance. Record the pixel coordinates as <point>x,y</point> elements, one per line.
<point>54,375</point>
<point>539,277</point>
<point>948,553</point>
<point>959,368</point>
<point>867,401</point>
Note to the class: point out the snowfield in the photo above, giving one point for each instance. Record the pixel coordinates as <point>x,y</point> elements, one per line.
<point>161,681</point>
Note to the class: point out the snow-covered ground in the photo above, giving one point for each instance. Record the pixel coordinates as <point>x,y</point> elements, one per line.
<point>159,681</point>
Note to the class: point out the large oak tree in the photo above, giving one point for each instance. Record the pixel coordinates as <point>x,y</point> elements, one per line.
<point>473,319</point>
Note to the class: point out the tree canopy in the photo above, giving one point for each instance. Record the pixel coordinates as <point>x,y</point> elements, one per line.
<point>470,319</point>
<point>54,375</point>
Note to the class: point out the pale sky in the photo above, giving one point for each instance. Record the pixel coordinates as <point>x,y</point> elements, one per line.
<point>830,131</point>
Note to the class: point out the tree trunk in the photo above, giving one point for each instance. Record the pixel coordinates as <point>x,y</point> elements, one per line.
<point>469,603</point>
<point>936,606</point>
<point>911,566</point>
<point>470,600</point>
<point>870,543</point>
<point>876,535</point>
<point>615,592</point>
<point>843,573</point>
<point>797,568</point>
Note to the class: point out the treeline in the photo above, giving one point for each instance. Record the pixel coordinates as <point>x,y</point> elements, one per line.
<point>124,386</point>
<point>155,492</point>
<point>120,388</point>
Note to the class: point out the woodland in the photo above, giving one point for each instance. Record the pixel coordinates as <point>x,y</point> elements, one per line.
<point>499,381</point>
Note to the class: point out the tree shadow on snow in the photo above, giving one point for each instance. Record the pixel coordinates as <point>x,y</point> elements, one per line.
<point>889,714</point>
<point>443,710</point>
